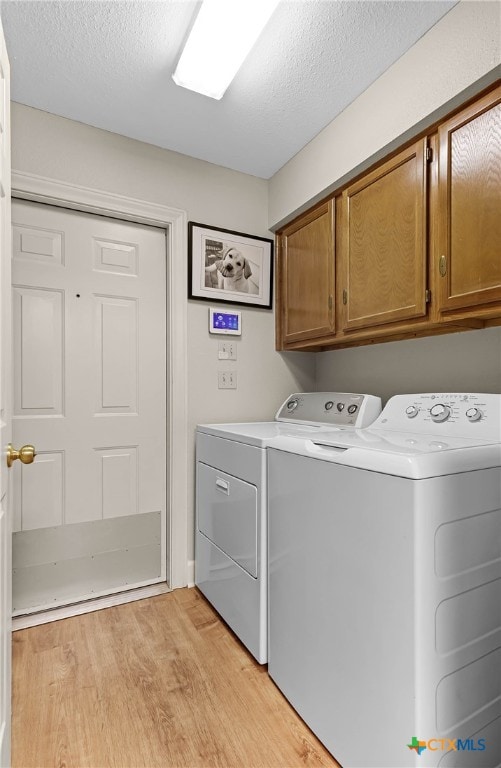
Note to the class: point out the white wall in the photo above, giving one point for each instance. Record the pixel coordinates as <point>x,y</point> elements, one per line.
<point>463,47</point>
<point>67,151</point>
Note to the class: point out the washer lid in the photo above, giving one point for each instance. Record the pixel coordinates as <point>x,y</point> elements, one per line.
<point>404,454</point>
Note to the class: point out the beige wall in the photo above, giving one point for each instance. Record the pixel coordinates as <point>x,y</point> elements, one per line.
<point>461,49</point>
<point>67,151</point>
<point>457,362</point>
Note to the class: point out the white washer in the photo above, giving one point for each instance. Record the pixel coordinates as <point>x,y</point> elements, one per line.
<point>231,532</point>
<point>385,583</point>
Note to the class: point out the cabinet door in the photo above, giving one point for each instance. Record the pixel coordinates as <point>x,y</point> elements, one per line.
<point>470,205</point>
<point>308,275</point>
<point>384,243</point>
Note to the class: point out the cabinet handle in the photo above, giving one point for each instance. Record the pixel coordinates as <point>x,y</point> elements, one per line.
<point>345,296</point>
<point>330,302</point>
<point>442,266</point>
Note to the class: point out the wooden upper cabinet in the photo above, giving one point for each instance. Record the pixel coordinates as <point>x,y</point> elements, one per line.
<point>307,275</point>
<point>383,243</point>
<point>469,247</point>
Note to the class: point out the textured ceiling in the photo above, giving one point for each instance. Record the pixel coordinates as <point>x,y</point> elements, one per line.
<point>109,64</point>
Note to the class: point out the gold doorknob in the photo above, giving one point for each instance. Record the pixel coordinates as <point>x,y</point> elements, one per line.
<point>26,454</point>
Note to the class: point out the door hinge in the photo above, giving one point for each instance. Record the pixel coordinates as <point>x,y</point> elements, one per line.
<point>427,296</point>
<point>429,155</point>
<point>330,302</point>
<point>345,296</point>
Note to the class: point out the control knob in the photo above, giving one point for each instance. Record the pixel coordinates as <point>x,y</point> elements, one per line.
<point>328,405</point>
<point>352,408</point>
<point>292,405</point>
<point>340,407</point>
<point>412,411</point>
<point>440,412</point>
<point>473,414</point>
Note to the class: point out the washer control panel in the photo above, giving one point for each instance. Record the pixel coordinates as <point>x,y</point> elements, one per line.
<point>454,414</point>
<point>330,409</point>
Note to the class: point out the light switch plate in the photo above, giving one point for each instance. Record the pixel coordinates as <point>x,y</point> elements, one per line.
<point>227,379</point>
<point>227,350</point>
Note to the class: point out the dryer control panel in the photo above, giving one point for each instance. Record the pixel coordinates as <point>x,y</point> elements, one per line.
<point>444,413</point>
<point>330,408</point>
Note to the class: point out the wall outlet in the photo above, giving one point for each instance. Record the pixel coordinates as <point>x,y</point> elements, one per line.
<point>227,350</point>
<point>227,379</point>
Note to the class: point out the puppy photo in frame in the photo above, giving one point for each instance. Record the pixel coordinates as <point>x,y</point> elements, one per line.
<point>229,267</point>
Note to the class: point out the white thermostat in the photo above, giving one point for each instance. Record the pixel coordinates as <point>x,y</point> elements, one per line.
<point>221,321</point>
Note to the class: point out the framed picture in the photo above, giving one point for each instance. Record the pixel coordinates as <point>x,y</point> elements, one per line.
<point>229,267</point>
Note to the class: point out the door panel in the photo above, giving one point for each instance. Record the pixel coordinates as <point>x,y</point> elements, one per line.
<point>37,246</point>
<point>116,355</point>
<point>38,352</point>
<point>118,475</point>
<point>90,391</point>
<point>39,493</point>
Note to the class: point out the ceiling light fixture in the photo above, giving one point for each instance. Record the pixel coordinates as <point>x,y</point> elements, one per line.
<point>222,36</point>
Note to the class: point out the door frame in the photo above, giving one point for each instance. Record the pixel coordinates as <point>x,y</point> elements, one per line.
<point>40,189</point>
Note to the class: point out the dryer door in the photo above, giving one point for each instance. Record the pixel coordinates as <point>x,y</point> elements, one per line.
<point>227,515</point>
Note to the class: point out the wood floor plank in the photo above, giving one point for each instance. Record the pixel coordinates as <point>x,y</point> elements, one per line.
<point>161,682</point>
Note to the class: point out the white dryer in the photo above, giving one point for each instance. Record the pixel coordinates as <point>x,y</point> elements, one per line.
<point>231,508</point>
<point>385,584</point>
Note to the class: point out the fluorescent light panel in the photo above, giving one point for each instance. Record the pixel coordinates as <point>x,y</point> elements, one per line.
<point>222,36</point>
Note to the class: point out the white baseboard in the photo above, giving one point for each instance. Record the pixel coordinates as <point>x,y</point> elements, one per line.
<point>66,611</point>
<point>191,573</point>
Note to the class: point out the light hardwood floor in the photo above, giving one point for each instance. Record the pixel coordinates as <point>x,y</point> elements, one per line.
<point>158,682</point>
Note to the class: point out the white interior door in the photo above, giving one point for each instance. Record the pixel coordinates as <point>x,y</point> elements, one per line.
<point>89,352</point>
<point>5,416</point>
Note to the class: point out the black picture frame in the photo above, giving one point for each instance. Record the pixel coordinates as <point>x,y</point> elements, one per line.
<point>228,267</point>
